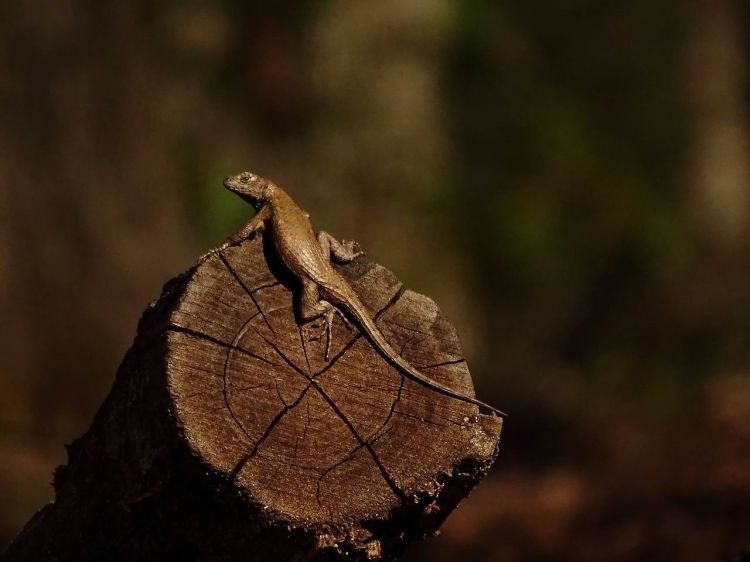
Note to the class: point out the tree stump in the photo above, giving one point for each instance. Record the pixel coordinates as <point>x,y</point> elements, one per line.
<point>229,436</point>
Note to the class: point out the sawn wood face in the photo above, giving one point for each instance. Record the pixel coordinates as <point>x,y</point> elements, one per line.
<point>314,440</point>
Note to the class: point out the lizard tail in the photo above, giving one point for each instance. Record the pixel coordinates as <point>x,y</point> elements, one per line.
<point>354,306</point>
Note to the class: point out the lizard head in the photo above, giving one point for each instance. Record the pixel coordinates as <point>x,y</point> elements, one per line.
<point>250,187</point>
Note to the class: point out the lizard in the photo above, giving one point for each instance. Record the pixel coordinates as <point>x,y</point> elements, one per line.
<point>307,257</point>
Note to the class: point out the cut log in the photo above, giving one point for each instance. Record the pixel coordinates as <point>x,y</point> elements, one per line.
<point>229,436</point>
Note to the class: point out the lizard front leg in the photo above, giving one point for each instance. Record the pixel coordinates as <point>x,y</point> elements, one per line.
<point>255,224</point>
<point>311,306</point>
<point>343,251</point>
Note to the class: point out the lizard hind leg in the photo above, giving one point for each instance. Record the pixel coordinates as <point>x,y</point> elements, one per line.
<point>311,306</point>
<point>344,251</point>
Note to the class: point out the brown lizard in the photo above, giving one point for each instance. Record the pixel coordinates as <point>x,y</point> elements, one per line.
<point>308,258</point>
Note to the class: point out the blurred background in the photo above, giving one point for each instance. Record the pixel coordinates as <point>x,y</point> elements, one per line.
<point>569,180</point>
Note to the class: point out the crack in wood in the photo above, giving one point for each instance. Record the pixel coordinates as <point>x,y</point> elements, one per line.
<point>418,418</point>
<point>201,335</point>
<point>250,293</point>
<point>348,458</point>
<point>391,301</point>
<point>332,404</point>
<point>225,391</point>
<point>444,363</point>
<point>243,461</point>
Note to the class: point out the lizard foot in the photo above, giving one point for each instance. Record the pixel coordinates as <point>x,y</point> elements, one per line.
<point>344,251</point>
<point>352,249</point>
<point>228,243</point>
<point>211,253</point>
<point>327,317</point>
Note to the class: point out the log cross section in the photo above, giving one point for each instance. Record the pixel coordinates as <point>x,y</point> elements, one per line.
<point>315,440</point>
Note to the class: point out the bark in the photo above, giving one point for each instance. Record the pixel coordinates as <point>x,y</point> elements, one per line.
<point>228,436</point>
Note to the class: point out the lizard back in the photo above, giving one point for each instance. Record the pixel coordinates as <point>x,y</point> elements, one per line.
<point>296,242</point>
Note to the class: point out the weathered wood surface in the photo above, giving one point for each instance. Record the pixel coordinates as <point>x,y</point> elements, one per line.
<point>229,436</point>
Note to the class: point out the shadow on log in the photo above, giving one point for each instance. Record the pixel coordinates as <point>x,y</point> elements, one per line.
<point>228,436</point>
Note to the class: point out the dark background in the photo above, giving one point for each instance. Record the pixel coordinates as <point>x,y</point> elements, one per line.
<point>570,180</point>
